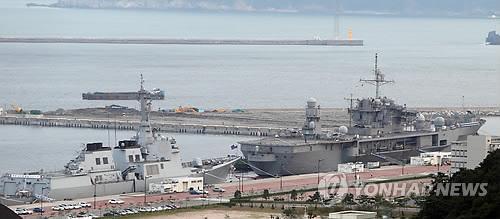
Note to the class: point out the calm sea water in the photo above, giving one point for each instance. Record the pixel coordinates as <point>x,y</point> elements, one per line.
<point>34,148</point>
<point>434,61</point>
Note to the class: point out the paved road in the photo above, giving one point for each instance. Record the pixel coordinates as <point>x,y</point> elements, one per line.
<point>249,187</point>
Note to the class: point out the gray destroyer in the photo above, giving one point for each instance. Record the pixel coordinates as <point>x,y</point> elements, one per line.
<point>129,166</point>
<point>380,130</point>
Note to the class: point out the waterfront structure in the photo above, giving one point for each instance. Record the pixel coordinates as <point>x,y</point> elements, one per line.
<point>380,130</point>
<point>470,153</point>
<point>129,166</point>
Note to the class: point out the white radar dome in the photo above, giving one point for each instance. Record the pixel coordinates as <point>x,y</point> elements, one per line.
<point>343,129</point>
<point>311,102</point>
<point>439,121</point>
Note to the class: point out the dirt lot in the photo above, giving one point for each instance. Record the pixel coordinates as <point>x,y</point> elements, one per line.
<point>220,214</point>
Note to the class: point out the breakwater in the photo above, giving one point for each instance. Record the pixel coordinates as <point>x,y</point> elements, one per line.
<point>314,42</point>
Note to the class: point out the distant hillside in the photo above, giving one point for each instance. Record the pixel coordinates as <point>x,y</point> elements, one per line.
<point>396,7</point>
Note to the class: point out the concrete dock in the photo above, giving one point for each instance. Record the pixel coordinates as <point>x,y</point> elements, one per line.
<point>270,42</point>
<point>251,122</point>
<point>134,124</point>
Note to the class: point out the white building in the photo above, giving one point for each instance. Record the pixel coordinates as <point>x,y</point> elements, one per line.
<point>181,184</point>
<point>431,158</point>
<point>468,154</point>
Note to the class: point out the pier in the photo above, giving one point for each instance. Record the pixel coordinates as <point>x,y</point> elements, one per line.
<point>134,124</point>
<point>256,42</point>
<point>251,122</point>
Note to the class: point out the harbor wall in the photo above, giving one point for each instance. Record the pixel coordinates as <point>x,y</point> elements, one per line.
<point>132,125</point>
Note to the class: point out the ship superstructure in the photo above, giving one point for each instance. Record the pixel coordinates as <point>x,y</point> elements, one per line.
<point>115,169</point>
<point>380,130</point>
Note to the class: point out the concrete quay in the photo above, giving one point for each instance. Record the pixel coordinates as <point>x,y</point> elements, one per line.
<point>134,124</point>
<point>251,122</point>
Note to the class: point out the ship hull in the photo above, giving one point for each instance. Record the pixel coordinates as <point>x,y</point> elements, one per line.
<point>297,163</point>
<point>293,163</point>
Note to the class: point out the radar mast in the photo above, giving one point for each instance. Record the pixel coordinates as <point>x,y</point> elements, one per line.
<point>379,79</point>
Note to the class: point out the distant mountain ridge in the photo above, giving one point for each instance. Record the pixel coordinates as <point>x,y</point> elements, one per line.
<point>395,7</point>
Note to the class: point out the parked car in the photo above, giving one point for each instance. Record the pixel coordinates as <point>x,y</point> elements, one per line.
<point>85,205</point>
<point>38,210</point>
<point>193,191</point>
<point>115,201</point>
<point>23,211</point>
<point>59,207</point>
<point>218,189</point>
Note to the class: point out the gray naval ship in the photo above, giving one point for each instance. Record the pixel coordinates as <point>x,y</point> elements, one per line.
<point>493,38</point>
<point>127,167</point>
<point>380,130</point>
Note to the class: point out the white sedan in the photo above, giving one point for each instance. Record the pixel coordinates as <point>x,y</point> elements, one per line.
<point>60,207</point>
<point>23,211</point>
<point>115,201</point>
<point>85,205</point>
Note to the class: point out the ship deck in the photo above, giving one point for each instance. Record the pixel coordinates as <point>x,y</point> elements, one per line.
<point>297,141</point>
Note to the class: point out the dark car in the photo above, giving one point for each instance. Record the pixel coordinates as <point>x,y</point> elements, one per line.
<point>38,210</point>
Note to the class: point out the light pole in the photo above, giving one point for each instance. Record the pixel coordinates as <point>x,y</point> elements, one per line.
<point>203,184</point>
<point>145,188</point>
<point>319,161</point>
<point>95,191</point>
<point>403,158</point>
<point>281,177</point>
<point>41,201</point>
<point>281,182</point>
<point>439,161</point>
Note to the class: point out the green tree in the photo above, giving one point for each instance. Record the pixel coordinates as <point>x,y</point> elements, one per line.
<point>438,205</point>
<point>293,195</point>
<point>348,199</point>
<point>237,194</point>
<point>316,197</point>
<point>266,194</point>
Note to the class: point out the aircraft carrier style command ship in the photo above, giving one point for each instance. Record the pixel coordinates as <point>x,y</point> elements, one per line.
<point>129,166</point>
<point>380,130</point>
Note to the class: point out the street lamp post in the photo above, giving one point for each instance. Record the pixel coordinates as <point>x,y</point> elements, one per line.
<point>281,182</point>
<point>145,188</point>
<point>439,162</point>
<point>203,184</point>
<point>95,191</point>
<point>41,201</point>
<point>319,161</point>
